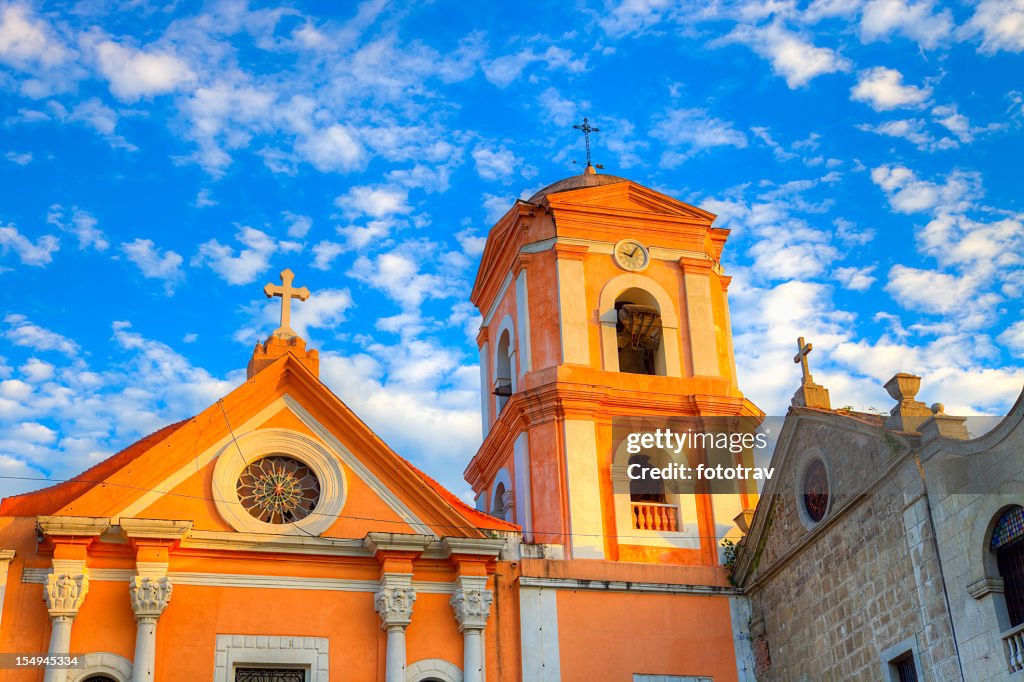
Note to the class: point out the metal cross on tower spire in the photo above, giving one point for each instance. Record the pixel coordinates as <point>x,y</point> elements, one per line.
<point>587,129</point>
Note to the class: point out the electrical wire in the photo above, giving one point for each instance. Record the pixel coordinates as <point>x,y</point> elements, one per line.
<point>339,516</point>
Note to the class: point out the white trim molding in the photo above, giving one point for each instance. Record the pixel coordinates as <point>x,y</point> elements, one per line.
<point>433,669</point>
<point>103,663</point>
<point>235,456</point>
<point>310,653</point>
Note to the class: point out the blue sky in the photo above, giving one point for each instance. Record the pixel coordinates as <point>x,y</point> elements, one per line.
<point>159,166</point>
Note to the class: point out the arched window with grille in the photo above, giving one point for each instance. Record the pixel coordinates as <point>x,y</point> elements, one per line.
<point>1008,545</point>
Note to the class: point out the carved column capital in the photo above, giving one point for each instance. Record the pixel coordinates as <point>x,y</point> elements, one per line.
<point>394,600</point>
<point>65,593</point>
<point>472,606</point>
<point>150,596</point>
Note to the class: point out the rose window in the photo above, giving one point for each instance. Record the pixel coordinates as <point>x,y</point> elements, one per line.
<point>815,491</point>
<point>278,490</point>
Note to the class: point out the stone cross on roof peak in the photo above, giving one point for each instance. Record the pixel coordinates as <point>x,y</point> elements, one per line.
<point>802,349</point>
<point>287,292</point>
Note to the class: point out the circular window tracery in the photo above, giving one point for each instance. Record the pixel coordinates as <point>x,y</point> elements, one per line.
<point>278,489</point>
<point>815,490</point>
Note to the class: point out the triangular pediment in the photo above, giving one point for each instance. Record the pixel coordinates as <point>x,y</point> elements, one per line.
<point>629,196</point>
<point>191,472</point>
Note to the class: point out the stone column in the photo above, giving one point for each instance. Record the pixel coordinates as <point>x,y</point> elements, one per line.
<point>150,596</point>
<point>65,590</point>
<point>6,555</point>
<point>472,605</point>
<point>393,602</point>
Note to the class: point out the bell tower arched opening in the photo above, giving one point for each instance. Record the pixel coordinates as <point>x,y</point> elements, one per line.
<point>638,333</point>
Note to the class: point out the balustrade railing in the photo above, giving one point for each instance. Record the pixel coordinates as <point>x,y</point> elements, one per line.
<point>655,516</point>
<point>1013,644</point>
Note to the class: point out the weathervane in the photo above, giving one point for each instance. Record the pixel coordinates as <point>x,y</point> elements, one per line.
<point>587,129</point>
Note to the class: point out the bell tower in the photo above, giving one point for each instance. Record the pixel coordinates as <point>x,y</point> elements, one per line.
<point>600,298</point>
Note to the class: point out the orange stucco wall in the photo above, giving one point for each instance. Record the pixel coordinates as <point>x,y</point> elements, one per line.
<point>612,636</point>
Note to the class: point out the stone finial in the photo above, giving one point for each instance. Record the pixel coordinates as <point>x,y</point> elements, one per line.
<point>942,425</point>
<point>150,596</point>
<point>908,414</point>
<point>809,394</point>
<point>65,593</point>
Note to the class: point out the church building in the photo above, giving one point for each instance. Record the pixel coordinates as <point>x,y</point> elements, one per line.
<point>888,547</point>
<point>273,537</point>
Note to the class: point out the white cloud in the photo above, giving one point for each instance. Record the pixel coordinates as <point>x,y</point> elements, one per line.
<point>849,234</point>
<point>398,273</point>
<point>22,159</point>
<point>204,199</point>
<point>854,278</point>
<point>298,225</point>
<point>22,332</point>
<point>154,264</point>
<point>324,254</point>
<point>35,370</point>
<point>693,130</point>
<point>507,68</point>
<point>791,54</point>
<point>35,253</point>
<point>495,164</point>
<point>1000,23</point>
<point>359,236</point>
<point>135,73</point>
<point>559,110</point>
<point>250,261</point>
<point>798,260</point>
<point>334,148</point>
<point>495,206</point>
<point>82,225</point>
<point>634,16</point>
<point>883,89</point>
<point>882,19</point>
<point>909,194</point>
<point>376,201</point>
<point>933,291</point>
<point>912,130</point>
<point>1013,338</point>
<point>27,41</point>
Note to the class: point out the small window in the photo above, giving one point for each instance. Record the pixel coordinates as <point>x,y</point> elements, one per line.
<point>503,371</point>
<point>903,668</point>
<point>1008,544</point>
<point>498,507</point>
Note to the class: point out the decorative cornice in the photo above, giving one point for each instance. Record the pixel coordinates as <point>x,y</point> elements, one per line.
<point>484,547</point>
<point>697,266</point>
<point>247,580</point>
<point>150,596</point>
<point>983,586</point>
<point>397,542</point>
<point>624,586</point>
<point>155,528</point>
<point>570,251</point>
<point>7,554</point>
<point>65,593</point>
<point>72,526</point>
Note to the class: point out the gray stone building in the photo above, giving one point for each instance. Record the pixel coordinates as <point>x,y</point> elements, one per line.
<point>887,547</point>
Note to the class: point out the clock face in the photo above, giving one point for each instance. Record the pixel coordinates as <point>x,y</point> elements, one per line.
<point>631,255</point>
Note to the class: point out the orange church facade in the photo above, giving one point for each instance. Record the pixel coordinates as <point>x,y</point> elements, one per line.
<point>274,536</point>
